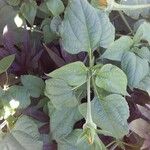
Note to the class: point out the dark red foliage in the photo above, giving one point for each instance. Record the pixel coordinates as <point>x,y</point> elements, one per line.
<point>28,55</point>
<point>137,97</point>
<point>44,129</point>
<point>51,146</point>
<point>36,114</point>
<point>58,57</point>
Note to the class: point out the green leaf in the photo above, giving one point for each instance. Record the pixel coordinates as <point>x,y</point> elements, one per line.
<point>92,23</point>
<point>28,10</point>
<point>60,93</point>
<point>135,68</point>
<point>116,49</point>
<point>143,33</point>
<point>144,52</point>
<point>43,8</point>
<point>74,74</point>
<point>145,84</point>
<point>2,92</point>
<point>55,23</point>
<point>51,107</point>
<point>33,84</point>
<point>70,143</point>
<point>81,92</point>
<point>20,94</point>
<point>55,6</point>
<point>136,14</point>
<point>49,35</point>
<point>13,2</point>
<point>112,79</point>
<point>108,30</point>
<point>6,19</point>
<point>6,62</point>
<point>110,114</point>
<point>62,121</point>
<point>24,136</point>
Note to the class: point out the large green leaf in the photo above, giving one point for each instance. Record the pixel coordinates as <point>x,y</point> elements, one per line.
<point>63,120</point>
<point>112,79</point>
<point>55,6</point>
<point>28,10</point>
<point>74,74</point>
<point>60,93</point>
<point>33,84</point>
<point>24,136</point>
<point>135,68</point>
<point>6,62</point>
<point>116,49</point>
<point>110,114</point>
<point>83,26</point>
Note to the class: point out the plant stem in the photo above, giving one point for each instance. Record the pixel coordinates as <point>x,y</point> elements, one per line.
<point>125,21</point>
<point>89,112</point>
<point>117,6</point>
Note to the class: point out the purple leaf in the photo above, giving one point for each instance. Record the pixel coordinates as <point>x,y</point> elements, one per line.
<point>8,39</point>
<point>52,146</point>
<point>36,114</point>
<point>44,129</point>
<point>57,60</point>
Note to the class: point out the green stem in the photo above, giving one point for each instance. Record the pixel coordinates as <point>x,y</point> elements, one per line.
<point>95,89</point>
<point>117,6</point>
<point>89,112</point>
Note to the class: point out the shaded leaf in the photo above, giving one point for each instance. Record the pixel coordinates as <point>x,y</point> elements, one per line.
<point>20,94</point>
<point>62,121</point>
<point>49,35</point>
<point>33,84</point>
<point>140,127</point>
<point>28,10</point>
<point>6,62</point>
<point>13,2</point>
<point>145,84</point>
<point>56,58</point>
<point>6,19</point>
<point>55,6</point>
<point>24,136</point>
<point>36,114</point>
